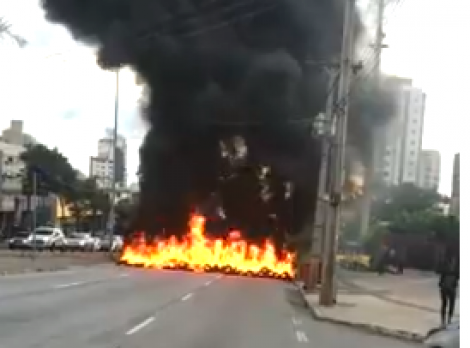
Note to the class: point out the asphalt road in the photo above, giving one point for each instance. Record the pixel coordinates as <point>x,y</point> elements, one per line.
<point>111,307</point>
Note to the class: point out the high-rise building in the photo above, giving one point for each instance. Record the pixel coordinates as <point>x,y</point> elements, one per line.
<point>14,135</point>
<point>101,166</point>
<point>402,137</point>
<point>429,172</point>
<point>455,196</point>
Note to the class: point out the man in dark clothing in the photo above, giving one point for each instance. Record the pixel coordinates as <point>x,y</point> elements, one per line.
<point>448,283</point>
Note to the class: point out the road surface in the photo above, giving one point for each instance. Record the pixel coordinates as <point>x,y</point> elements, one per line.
<point>111,307</point>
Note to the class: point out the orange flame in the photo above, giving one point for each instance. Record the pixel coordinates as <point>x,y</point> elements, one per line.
<point>199,253</point>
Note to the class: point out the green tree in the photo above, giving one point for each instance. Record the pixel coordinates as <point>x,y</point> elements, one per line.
<point>405,198</point>
<point>89,200</point>
<point>55,175</point>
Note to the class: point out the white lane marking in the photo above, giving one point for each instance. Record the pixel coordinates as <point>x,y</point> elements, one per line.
<point>296,321</point>
<point>68,285</point>
<point>140,326</point>
<point>219,276</point>
<point>301,336</point>
<point>187,297</point>
<point>208,283</point>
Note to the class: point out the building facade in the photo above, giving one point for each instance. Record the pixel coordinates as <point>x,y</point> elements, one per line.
<point>12,167</point>
<point>429,173</point>
<point>15,135</point>
<point>104,166</point>
<point>401,139</point>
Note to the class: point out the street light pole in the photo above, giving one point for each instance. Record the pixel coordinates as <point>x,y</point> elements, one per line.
<point>111,220</point>
<point>34,216</point>
<point>328,289</point>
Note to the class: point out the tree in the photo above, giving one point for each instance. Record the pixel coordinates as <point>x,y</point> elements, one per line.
<point>405,198</point>
<point>6,32</point>
<point>89,200</point>
<point>54,174</point>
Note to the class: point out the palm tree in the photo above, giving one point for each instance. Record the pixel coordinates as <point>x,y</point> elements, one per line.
<point>5,32</point>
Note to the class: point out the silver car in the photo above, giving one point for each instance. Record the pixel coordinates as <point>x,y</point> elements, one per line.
<point>446,337</point>
<point>81,241</point>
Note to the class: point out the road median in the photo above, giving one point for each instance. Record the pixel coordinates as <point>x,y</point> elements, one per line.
<point>15,262</point>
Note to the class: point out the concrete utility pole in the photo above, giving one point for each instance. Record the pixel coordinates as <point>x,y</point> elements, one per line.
<point>327,293</point>
<point>322,210</point>
<point>370,170</point>
<point>112,218</point>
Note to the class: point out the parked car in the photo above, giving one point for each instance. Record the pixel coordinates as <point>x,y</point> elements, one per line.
<point>106,244</point>
<point>20,241</point>
<point>81,241</point>
<point>48,238</point>
<point>446,337</point>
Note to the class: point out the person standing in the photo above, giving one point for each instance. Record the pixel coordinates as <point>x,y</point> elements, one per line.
<point>448,284</point>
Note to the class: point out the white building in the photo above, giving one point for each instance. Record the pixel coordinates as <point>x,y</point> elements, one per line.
<point>402,137</point>
<point>14,135</point>
<point>11,167</point>
<point>429,173</point>
<point>101,166</point>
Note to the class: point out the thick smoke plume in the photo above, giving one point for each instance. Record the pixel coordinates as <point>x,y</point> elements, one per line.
<point>218,69</point>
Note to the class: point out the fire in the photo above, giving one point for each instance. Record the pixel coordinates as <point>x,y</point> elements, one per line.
<point>199,253</point>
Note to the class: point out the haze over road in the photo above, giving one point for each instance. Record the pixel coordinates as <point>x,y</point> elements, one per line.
<point>110,307</point>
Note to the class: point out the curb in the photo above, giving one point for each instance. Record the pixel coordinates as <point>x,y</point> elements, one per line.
<point>373,329</point>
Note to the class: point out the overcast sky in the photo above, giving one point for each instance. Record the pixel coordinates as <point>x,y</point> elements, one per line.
<point>55,86</point>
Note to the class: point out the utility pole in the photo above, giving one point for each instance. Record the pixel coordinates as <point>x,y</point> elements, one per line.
<point>34,212</point>
<point>322,205</point>
<point>327,293</point>
<point>112,213</point>
<point>375,146</point>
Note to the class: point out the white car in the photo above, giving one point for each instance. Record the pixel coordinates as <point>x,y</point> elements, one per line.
<point>47,238</point>
<point>446,337</point>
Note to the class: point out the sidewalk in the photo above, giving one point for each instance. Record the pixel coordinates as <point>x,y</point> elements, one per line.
<point>413,289</point>
<point>366,310</point>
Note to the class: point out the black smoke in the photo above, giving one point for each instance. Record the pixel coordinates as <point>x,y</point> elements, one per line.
<point>218,69</point>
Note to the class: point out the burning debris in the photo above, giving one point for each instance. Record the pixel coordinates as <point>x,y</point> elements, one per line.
<point>198,253</point>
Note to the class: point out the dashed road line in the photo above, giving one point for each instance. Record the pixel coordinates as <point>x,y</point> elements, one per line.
<point>296,321</point>
<point>301,336</point>
<point>68,285</point>
<point>186,297</point>
<point>140,326</point>
<point>208,283</point>
<point>72,284</point>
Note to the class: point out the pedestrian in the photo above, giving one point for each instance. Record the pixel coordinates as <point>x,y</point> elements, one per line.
<point>448,283</point>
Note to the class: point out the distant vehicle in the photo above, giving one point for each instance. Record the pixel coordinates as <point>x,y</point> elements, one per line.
<point>446,337</point>
<point>51,238</point>
<point>106,244</point>
<point>81,241</point>
<point>19,241</point>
